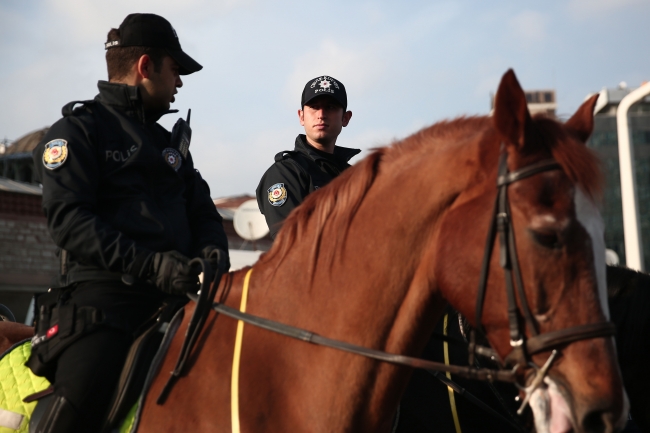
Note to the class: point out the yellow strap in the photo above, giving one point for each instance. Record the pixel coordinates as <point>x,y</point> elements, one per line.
<point>234,382</point>
<point>452,398</point>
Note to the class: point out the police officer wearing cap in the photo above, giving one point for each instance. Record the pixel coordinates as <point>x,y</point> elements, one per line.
<point>127,210</point>
<point>315,160</point>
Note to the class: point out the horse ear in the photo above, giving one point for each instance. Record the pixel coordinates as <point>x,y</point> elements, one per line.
<point>511,114</point>
<point>581,124</point>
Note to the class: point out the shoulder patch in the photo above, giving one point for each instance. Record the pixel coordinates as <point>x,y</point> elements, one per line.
<point>277,194</point>
<point>55,153</point>
<point>173,158</point>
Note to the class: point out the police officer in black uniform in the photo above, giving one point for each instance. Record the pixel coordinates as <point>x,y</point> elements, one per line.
<point>127,210</point>
<point>316,159</point>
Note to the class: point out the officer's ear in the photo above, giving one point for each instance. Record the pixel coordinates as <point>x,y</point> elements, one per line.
<point>301,117</point>
<point>144,66</point>
<point>346,117</point>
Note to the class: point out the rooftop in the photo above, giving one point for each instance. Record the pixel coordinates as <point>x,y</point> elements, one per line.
<point>25,144</point>
<point>9,185</point>
<point>609,99</point>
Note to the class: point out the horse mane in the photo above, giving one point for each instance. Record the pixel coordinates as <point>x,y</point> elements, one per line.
<point>339,202</point>
<point>336,203</point>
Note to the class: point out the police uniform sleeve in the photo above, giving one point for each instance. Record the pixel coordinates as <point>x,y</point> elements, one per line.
<point>67,165</point>
<point>281,189</point>
<point>205,222</point>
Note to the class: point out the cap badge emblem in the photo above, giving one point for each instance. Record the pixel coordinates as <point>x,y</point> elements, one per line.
<point>172,157</point>
<point>55,153</point>
<point>277,194</point>
<point>325,84</point>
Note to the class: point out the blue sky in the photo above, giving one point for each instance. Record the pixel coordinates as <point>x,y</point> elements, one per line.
<point>405,64</point>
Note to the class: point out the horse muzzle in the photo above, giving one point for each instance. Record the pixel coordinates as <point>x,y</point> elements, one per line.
<point>581,404</point>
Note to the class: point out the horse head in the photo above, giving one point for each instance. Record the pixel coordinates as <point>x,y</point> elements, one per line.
<point>557,234</point>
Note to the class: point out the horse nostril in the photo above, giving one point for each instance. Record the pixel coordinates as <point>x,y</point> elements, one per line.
<point>598,421</point>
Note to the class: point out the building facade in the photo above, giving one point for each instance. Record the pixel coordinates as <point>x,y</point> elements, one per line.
<point>28,260</point>
<point>538,102</point>
<point>16,160</point>
<point>604,141</point>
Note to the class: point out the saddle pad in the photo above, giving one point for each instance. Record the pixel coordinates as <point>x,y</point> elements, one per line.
<point>128,426</point>
<point>16,383</point>
<point>132,419</point>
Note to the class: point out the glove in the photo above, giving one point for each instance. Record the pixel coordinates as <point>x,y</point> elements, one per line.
<point>172,274</point>
<point>217,257</point>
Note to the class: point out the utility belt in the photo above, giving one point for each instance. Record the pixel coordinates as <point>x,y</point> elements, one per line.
<point>74,277</point>
<point>59,323</point>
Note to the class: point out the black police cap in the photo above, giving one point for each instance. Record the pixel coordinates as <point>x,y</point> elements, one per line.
<point>324,86</point>
<point>150,30</point>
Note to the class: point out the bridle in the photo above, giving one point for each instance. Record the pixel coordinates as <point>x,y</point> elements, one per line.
<point>522,347</point>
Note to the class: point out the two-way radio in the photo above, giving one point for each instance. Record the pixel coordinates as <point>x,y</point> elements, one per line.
<point>182,134</point>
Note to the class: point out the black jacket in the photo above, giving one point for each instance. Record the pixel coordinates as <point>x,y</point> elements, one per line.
<point>294,175</point>
<point>114,199</point>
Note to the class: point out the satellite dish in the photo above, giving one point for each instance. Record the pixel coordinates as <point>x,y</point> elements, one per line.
<point>249,222</point>
<point>611,258</point>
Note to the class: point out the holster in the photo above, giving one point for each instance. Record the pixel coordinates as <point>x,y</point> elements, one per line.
<point>59,323</point>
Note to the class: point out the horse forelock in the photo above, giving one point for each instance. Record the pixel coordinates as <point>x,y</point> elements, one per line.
<point>579,163</point>
<point>335,204</point>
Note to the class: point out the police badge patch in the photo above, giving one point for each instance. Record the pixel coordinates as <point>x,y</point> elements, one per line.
<point>173,158</point>
<point>55,153</point>
<point>277,194</point>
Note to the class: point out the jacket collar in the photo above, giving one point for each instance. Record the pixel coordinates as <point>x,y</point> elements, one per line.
<point>126,99</point>
<point>342,153</point>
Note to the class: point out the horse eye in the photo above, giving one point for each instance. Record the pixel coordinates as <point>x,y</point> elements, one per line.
<point>546,239</point>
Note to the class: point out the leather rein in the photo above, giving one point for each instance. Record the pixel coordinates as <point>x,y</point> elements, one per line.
<point>522,347</point>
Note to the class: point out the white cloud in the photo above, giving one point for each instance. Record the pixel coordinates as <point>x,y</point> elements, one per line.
<point>403,67</point>
<point>90,21</point>
<point>359,69</point>
<point>583,9</point>
<point>529,27</point>
<point>54,53</point>
<point>373,13</point>
<point>366,140</point>
<point>235,166</point>
<point>435,18</point>
<point>489,74</point>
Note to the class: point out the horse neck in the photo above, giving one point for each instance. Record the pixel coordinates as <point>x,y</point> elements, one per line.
<point>376,287</point>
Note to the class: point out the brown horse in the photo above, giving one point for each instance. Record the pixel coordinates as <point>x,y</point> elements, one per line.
<point>373,258</point>
<point>12,332</point>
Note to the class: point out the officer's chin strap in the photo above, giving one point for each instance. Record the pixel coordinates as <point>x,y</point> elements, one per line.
<point>200,315</point>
